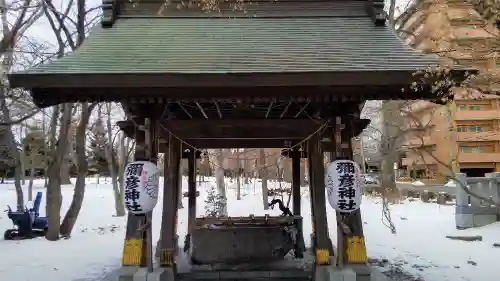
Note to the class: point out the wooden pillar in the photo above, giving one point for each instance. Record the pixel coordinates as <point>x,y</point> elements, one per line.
<point>191,198</point>
<point>137,250</point>
<point>317,181</point>
<point>168,237</point>
<point>350,238</point>
<point>299,247</point>
<point>296,183</point>
<point>311,200</point>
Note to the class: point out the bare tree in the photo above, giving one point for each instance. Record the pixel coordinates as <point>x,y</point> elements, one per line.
<point>58,140</point>
<point>24,14</point>
<point>10,144</point>
<point>112,165</point>
<point>392,137</point>
<point>59,22</point>
<point>82,168</point>
<point>56,155</point>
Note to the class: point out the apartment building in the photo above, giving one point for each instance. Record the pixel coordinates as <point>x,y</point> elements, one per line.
<point>463,136</point>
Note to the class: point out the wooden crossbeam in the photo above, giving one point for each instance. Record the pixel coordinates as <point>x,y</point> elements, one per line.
<point>239,143</point>
<point>249,133</point>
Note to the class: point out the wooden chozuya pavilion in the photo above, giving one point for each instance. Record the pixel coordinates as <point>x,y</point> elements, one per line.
<point>280,74</point>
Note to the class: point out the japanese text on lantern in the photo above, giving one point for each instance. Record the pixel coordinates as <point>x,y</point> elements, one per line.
<point>346,191</point>
<point>132,180</point>
<point>343,185</point>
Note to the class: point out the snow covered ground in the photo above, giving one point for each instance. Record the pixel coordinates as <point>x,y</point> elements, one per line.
<point>419,247</point>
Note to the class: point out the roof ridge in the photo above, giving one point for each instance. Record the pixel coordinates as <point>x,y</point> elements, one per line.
<point>114,9</point>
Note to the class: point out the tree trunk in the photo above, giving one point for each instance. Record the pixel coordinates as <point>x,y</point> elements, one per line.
<point>111,161</point>
<point>238,175</point>
<point>65,177</point>
<point>123,161</point>
<point>219,179</point>
<point>82,168</point>
<point>22,158</point>
<point>54,197</point>
<point>391,114</point>
<point>180,205</point>
<point>52,141</point>
<point>30,183</point>
<point>70,157</point>
<point>238,187</point>
<point>247,169</point>
<point>263,172</point>
<point>17,181</point>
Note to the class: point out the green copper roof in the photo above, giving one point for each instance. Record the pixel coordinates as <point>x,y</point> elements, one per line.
<point>323,41</point>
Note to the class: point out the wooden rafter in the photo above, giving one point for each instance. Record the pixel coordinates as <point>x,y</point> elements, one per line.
<point>201,109</point>
<point>269,108</point>
<point>218,109</point>
<point>286,109</point>
<point>184,110</point>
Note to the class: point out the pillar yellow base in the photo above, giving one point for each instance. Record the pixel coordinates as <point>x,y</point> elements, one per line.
<point>356,250</point>
<point>167,258</point>
<point>132,252</point>
<point>322,257</point>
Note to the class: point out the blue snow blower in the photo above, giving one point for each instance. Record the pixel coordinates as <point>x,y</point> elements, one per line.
<point>28,223</point>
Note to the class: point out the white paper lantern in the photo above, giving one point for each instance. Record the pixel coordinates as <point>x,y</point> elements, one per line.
<point>142,179</point>
<point>343,185</point>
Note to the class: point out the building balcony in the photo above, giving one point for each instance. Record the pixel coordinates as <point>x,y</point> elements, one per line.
<point>478,157</point>
<point>418,160</point>
<point>422,106</point>
<point>462,158</point>
<point>478,136</point>
<point>471,115</point>
<point>417,141</point>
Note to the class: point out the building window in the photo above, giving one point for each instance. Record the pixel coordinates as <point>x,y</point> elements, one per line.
<point>475,128</point>
<point>465,149</point>
<point>429,148</point>
<point>478,149</point>
<point>472,149</point>
<point>461,107</point>
<point>475,107</point>
<point>461,129</point>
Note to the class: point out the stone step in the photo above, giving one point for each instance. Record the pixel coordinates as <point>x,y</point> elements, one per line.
<point>249,279</point>
<point>281,275</point>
